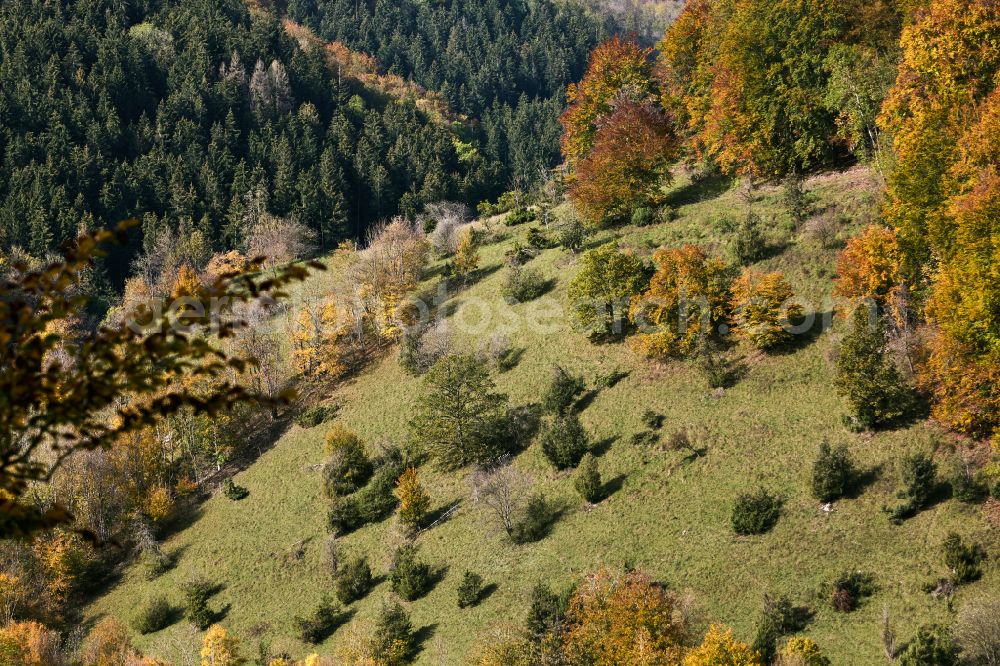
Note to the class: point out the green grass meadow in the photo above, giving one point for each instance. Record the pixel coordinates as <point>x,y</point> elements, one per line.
<point>670,516</point>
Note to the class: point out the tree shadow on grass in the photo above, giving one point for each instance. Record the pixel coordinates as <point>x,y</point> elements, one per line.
<point>863,481</point>
<point>440,515</point>
<point>602,446</point>
<point>587,399</point>
<point>422,635</point>
<point>485,593</point>
<point>612,486</point>
<point>700,190</point>
<point>821,322</point>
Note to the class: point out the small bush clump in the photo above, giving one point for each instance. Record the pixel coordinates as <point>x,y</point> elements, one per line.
<point>847,591</point>
<point>652,420</point>
<point>749,245</point>
<point>564,441</point>
<point>534,521</point>
<point>588,479</point>
<point>470,589</point>
<point>755,513</point>
<point>348,467</point>
<point>571,235</point>
<point>962,559</point>
<point>321,624</point>
<point>197,592</point>
<point>353,580</point>
<point>520,216</point>
<point>643,216</point>
<point>563,390</point>
<point>523,284</point>
<point>153,615</point>
<point>233,491</point>
<point>967,487</point>
<point>918,474</point>
<point>410,578</point>
<point>538,239</point>
<point>932,646</point>
<point>316,415</point>
<point>833,473</point>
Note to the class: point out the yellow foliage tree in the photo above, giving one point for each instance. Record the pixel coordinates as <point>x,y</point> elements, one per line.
<point>107,644</point>
<point>720,649</point>
<point>159,504</point>
<point>219,648</point>
<point>466,255</point>
<point>763,309</point>
<point>623,620</point>
<point>801,651</point>
<point>39,645</point>
<point>686,300</point>
<point>414,502</point>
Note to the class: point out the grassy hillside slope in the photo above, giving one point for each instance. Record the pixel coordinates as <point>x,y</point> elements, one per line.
<point>670,517</point>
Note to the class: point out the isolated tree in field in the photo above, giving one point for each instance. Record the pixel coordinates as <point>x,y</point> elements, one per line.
<point>393,642</point>
<point>347,469</point>
<point>719,647</point>
<point>977,631</point>
<point>562,391</point>
<point>220,648</point>
<point>833,473</point>
<point>599,295</point>
<point>868,377</point>
<point>588,479</point>
<point>118,382</point>
<point>617,69</point>
<point>564,441</point>
<point>461,419</point>
<point>687,298</point>
<point>466,259</point>
<point>763,309</point>
<point>628,165</point>
<point>624,619</point>
<point>503,490</point>
<point>414,502</point>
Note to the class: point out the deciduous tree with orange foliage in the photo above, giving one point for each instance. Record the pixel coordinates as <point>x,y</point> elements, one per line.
<point>688,297</point>
<point>870,266</point>
<point>624,619</point>
<point>617,68</point>
<point>629,163</point>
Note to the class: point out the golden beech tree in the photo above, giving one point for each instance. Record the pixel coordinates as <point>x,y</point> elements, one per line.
<point>220,648</point>
<point>629,163</point>
<point>616,620</point>
<point>617,68</point>
<point>719,648</point>
<point>688,297</point>
<point>38,645</point>
<point>763,309</point>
